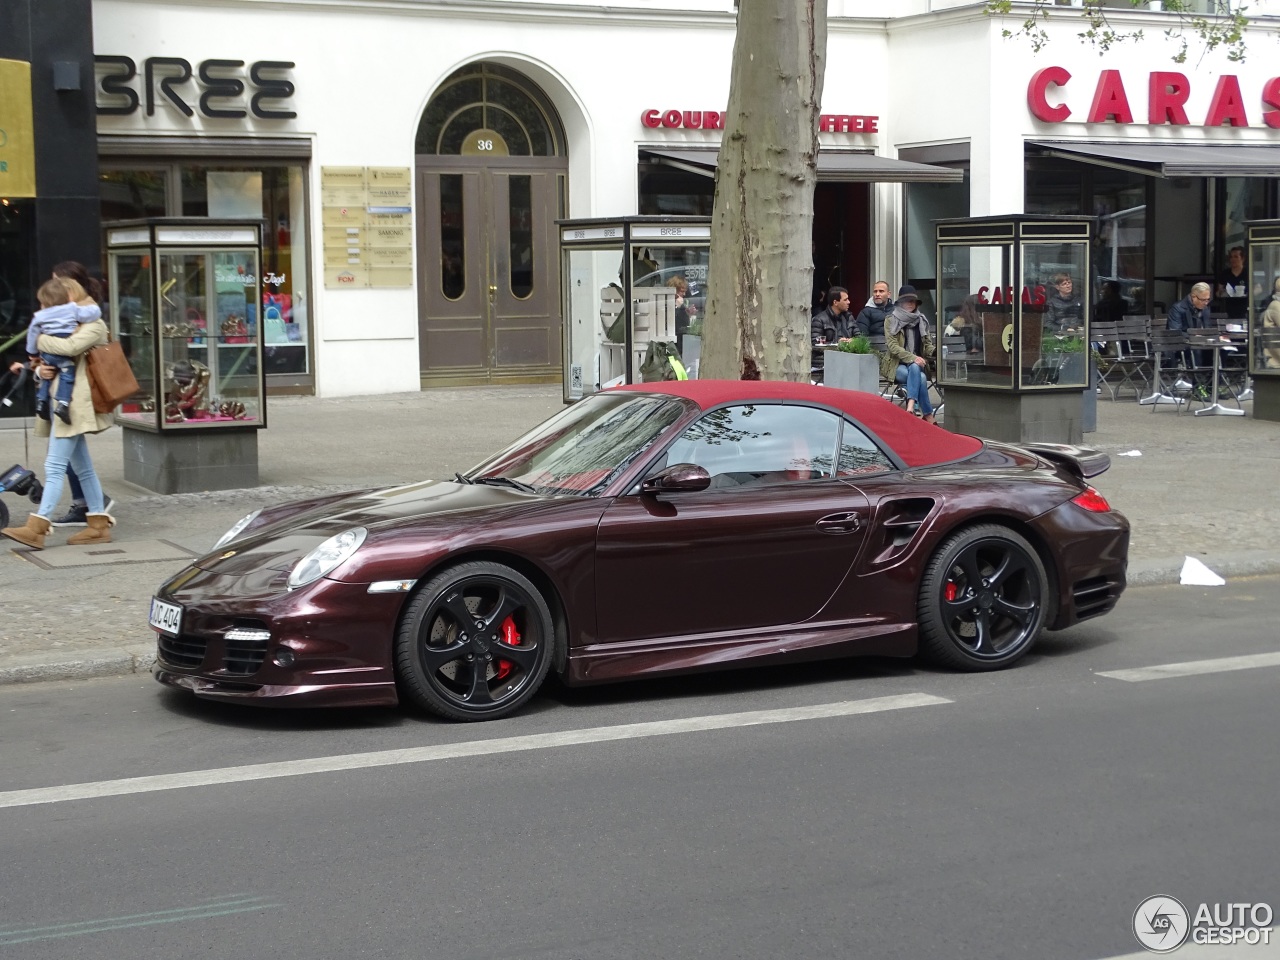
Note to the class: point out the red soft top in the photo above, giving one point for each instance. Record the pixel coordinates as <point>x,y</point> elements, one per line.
<point>919,444</point>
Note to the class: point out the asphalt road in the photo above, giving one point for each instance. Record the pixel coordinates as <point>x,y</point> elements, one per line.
<point>1023,814</point>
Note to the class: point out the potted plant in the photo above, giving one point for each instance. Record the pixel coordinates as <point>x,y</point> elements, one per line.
<point>852,365</point>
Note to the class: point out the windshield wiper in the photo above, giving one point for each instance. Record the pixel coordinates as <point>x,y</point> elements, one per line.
<point>459,478</point>
<point>506,482</point>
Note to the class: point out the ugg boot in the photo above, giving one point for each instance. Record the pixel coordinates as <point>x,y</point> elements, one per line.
<point>32,534</point>
<point>98,530</point>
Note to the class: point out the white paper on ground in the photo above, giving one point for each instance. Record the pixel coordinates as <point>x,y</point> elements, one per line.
<point>1130,453</point>
<point>1196,574</point>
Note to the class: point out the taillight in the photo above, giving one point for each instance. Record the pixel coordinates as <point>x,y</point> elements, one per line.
<point>1092,501</point>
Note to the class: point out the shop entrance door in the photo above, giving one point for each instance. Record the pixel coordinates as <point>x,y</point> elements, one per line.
<point>489,285</point>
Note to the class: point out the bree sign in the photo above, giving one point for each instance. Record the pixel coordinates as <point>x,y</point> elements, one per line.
<point>217,94</point>
<point>1167,95</point>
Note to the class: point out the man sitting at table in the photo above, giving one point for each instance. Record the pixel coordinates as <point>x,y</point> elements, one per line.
<point>1188,316</point>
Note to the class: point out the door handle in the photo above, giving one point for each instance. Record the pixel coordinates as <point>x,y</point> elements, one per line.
<point>493,292</point>
<point>839,523</point>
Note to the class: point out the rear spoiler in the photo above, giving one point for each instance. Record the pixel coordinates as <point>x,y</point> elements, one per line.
<point>1084,462</point>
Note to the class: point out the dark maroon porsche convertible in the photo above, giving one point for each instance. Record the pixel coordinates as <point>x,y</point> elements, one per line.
<point>646,530</point>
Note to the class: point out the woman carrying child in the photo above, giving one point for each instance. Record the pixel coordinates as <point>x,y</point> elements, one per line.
<point>68,444</point>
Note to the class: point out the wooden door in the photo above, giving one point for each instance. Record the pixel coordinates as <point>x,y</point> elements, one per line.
<point>488,272</point>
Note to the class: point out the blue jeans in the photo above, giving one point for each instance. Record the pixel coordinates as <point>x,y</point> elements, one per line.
<point>73,451</point>
<point>66,377</point>
<point>912,375</point>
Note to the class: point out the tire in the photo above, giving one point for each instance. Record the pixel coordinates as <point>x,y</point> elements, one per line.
<point>4,514</point>
<point>454,650</point>
<point>982,600</point>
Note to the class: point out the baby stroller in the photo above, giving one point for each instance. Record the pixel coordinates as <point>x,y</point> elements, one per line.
<point>17,479</point>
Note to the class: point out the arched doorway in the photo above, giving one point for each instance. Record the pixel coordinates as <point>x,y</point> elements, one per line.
<point>491,176</point>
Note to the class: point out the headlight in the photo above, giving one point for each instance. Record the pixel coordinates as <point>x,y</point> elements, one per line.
<point>326,557</point>
<point>237,529</point>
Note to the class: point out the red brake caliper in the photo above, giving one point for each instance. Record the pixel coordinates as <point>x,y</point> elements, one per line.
<point>952,591</point>
<point>511,637</point>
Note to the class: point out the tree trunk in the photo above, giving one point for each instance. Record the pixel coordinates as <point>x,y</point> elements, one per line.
<point>761,272</point>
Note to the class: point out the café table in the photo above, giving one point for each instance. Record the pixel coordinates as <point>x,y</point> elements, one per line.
<point>1217,345</point>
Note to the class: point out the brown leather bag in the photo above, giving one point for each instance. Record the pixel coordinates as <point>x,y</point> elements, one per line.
<point>111,379</point>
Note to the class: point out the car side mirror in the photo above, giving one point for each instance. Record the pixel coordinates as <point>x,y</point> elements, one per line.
<point>678,476</point>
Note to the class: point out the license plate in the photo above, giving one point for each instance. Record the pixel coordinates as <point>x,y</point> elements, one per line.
<point>166,617</point>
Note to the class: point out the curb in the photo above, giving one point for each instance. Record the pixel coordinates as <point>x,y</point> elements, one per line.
<point>76,665</point>
<point>137,659</point>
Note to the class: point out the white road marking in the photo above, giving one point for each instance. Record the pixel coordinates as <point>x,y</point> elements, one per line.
<point>1207,951</point>
<point>470,748</point>
<point>1193,667</point>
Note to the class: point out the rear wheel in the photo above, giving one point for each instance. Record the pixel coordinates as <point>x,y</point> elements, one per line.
<point>474,642</point>
<point>982,599</point>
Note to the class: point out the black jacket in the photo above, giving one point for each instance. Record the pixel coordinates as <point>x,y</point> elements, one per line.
<point>827,324</point>
<point>870,322</point>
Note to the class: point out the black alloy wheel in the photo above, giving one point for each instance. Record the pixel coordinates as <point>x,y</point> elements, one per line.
<point>474,642</point>
<point>982,599</point>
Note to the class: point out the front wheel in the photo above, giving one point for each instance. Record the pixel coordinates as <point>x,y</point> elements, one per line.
<point>982,599</point>
<point>474,642</point>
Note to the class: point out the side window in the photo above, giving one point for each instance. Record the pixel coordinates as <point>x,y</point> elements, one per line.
<point>760,443</point>
<point>858,455</point>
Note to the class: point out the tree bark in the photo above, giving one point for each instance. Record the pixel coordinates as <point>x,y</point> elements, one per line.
<point>760,276</point>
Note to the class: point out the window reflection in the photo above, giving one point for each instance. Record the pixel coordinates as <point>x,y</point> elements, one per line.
<point>520,241</point>
<point>453,248</point>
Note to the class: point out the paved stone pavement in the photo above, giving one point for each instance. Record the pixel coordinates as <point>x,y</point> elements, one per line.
<point>1207,487</point>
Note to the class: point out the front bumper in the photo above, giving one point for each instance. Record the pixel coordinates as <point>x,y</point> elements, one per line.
<point>327,644</point>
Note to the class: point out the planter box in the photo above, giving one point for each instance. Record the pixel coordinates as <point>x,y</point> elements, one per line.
<point>851,371</point>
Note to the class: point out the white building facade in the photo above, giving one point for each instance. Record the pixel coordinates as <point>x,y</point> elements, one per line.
<point>411,158</point>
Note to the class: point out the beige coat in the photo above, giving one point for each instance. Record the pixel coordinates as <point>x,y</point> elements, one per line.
<point>83,417</point>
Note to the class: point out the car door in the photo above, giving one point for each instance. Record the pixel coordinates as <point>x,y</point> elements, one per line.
<point>766,544</point>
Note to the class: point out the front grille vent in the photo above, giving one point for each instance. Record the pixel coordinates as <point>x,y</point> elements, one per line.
<point>186,652</point>
<point>243,655</point>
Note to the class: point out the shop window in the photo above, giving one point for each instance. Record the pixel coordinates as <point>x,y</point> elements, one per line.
<point>675,192</point>
<point>274,193</point>
<point>133,194</point>
<point>17,294</point>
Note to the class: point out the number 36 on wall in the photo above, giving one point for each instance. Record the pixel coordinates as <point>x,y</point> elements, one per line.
<point>484,143</point>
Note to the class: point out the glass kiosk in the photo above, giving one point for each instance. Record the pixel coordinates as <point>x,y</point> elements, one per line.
<point>634,291</point>
<point>1016,291</point>
<point>1262,254</point>
<point>185,297</point>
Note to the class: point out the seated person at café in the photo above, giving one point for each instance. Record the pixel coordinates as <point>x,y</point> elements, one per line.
<point>1233,286</point>
<point>1189,315</point>
<point>1063,311</point>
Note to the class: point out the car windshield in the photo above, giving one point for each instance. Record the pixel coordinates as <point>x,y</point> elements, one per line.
<point>583,449</point>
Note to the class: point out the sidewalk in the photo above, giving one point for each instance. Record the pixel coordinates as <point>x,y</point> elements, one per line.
<point>1207,487</point>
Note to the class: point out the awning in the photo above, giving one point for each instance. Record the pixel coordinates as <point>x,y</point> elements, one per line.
<point>1157,159</point>
<point>833,166</point>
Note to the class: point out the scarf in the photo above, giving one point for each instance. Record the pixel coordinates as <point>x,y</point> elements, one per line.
<point>902,318</point>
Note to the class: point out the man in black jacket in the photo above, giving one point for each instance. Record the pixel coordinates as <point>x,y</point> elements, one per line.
<point>829,326</point>
<point>870,320</point>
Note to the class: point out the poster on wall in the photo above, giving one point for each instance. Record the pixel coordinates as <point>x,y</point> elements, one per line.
<point>17,137</point>
<point>367,226</point>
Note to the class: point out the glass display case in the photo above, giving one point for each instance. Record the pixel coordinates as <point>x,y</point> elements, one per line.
<point>634,293</point>
<point>1013,325</point>
<point>1015,291</point>
<point>185,298</point>
<point>1262,254</point>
